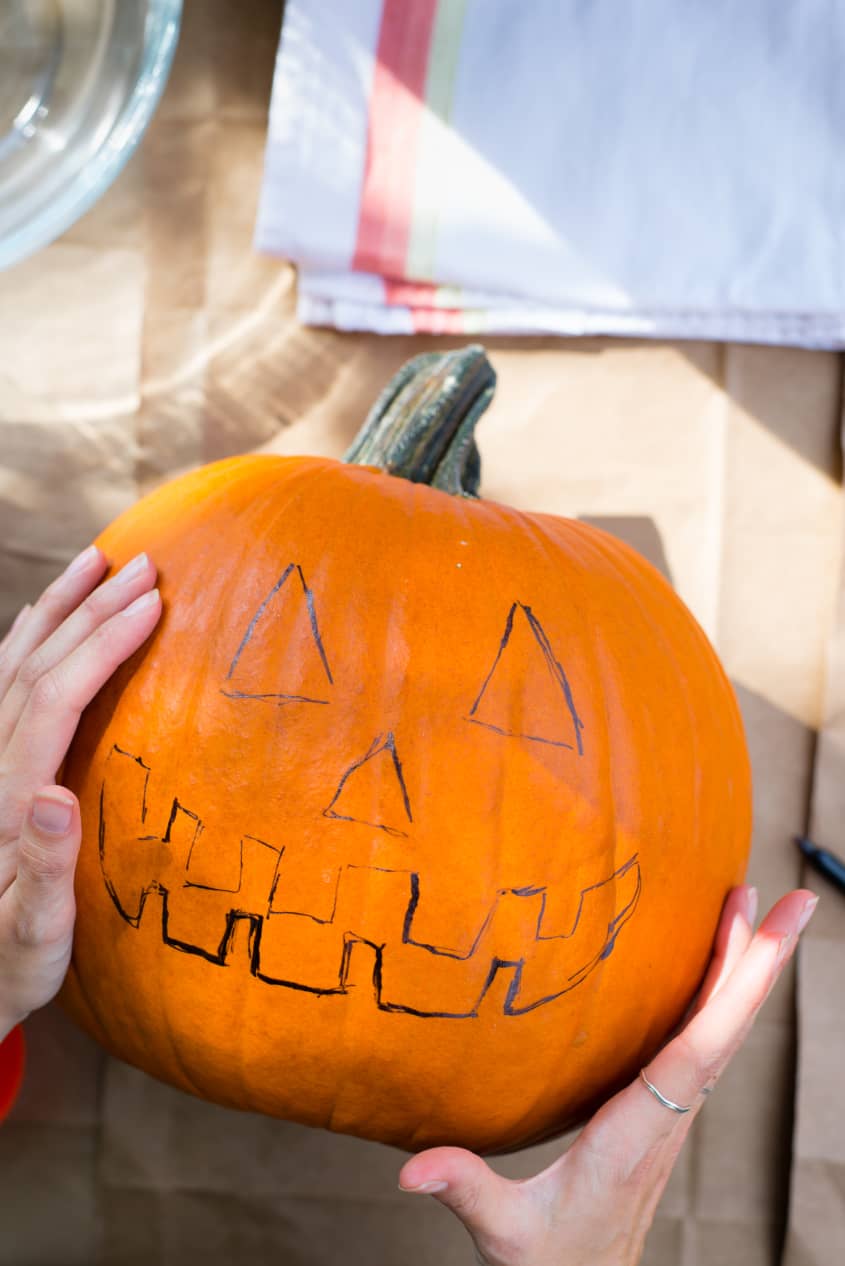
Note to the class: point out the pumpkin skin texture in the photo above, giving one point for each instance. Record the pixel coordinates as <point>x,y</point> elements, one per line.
<point>413,819</point>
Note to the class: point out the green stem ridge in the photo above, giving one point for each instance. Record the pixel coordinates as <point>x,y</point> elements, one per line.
<point>422,427</point>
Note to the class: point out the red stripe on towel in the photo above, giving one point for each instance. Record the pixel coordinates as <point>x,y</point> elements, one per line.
<point>419,298</point>
<point>409,294</point>
<point>438,320</point>
<point>397,98</point>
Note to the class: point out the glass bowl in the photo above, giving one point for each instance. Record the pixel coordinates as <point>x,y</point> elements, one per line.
<point>79,81</point>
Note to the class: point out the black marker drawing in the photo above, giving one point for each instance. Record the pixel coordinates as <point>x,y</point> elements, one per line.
<point>296,950</point>
<point>241,683</point>
<point>350,792</point>
<point>484,710</point>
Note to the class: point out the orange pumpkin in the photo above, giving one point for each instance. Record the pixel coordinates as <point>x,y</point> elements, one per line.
<point>415,816</point>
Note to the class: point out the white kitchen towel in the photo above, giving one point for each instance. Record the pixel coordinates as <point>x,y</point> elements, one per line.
<point>562,166</point>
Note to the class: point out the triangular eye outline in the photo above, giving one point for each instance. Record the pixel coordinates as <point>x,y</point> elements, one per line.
<point>280,697</point>
<point>381,743</point>
<point>555,669</point>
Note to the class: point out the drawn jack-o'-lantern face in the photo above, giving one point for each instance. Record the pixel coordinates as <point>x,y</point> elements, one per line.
<point>208,885</point>
<point>413,820</point>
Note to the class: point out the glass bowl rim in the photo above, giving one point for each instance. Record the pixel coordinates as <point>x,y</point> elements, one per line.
<point>161,35</point>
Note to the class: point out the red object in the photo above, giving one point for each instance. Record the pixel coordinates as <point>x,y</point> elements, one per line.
<point>12,1060</point>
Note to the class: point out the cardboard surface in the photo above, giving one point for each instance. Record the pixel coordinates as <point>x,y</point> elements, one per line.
<point>817,1222</point>
<point>152,338</point>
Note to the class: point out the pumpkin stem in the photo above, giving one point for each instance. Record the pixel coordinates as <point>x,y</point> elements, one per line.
<point>422,425</point>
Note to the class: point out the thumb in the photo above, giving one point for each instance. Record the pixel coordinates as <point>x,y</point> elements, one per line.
<point>47,852</point>
<point>482,1199</point>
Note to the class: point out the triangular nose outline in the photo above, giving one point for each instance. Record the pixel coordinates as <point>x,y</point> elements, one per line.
<point>381,743</point>
<point>264,612</point>
<point>556,672</point>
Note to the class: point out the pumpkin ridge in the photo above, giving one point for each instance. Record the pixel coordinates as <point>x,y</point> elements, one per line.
<point>626,562</point>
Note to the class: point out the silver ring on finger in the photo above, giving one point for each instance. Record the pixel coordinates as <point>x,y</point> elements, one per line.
<point>661,1098</point>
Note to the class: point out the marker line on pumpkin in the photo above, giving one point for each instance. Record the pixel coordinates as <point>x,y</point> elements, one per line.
<point>265,924</point>
<point>555,669</point>
<point>532,738</point>
<point>379,744</point>
<point>281,700</point>
<point>254,621</point>
<point>284,696</point>
<point>312,615</point>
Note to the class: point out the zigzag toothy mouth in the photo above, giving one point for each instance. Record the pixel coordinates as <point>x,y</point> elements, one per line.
<point>299,951</point>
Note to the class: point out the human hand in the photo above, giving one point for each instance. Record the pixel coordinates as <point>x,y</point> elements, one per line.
<point>54,659</point>
<point>593,1206</point>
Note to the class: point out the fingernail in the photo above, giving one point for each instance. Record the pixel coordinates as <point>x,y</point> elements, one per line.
<point>785,947</point>
<point>83,560</point>
<point>132,569</point>
<point>807,912</point>
<point>53,812</point>
<point>146,600</point>
<point>753,901</point>
<point>426,1188</point>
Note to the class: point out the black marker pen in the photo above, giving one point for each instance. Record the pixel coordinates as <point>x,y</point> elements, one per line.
<point>825,862</point>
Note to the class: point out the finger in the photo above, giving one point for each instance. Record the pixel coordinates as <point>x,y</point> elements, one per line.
<point>48,722</point>
<point>46,858</point>
<point>733,936</point>
<point>14,626</point>
<point>634,1123</point>
<point>488,1204</point>
<point>55,604</point>
<point>107,599</point>
<point>693,1061</point>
